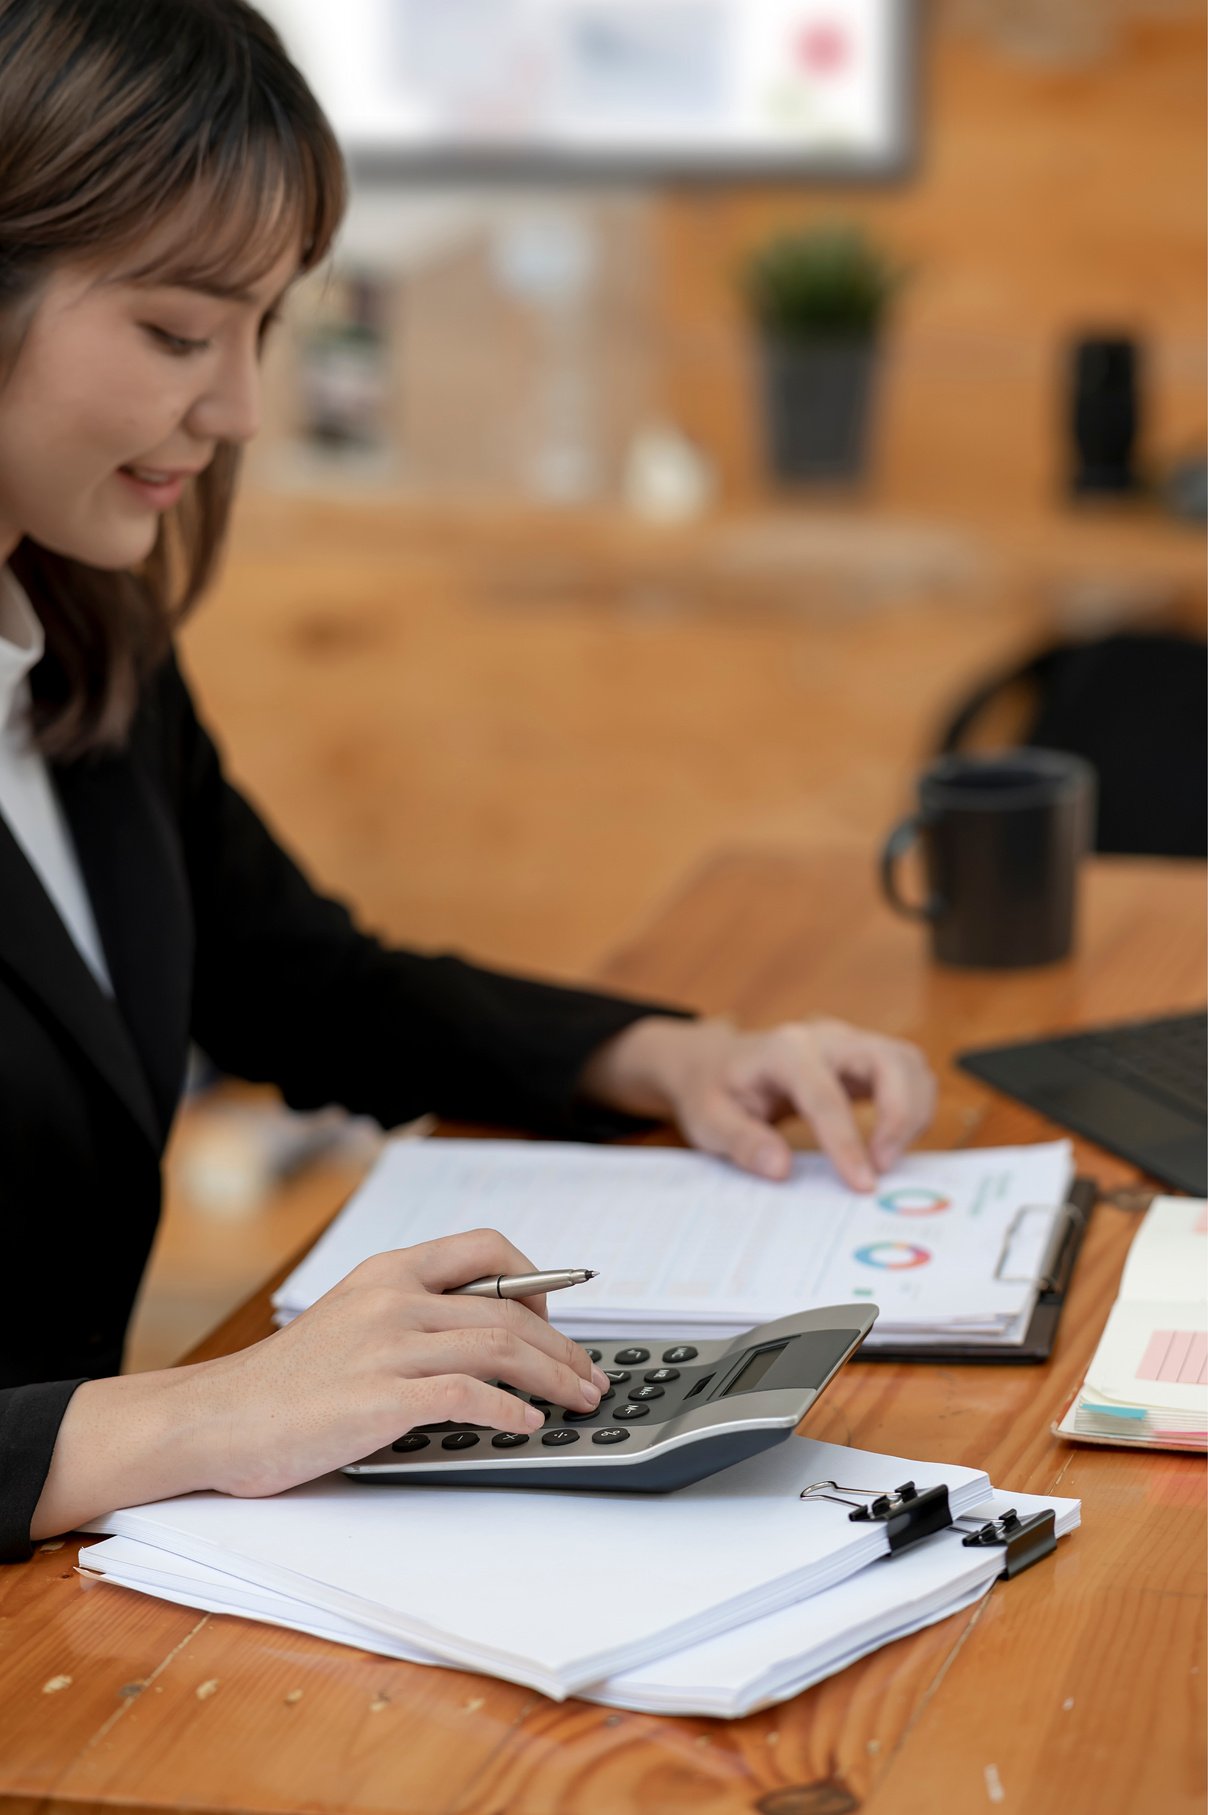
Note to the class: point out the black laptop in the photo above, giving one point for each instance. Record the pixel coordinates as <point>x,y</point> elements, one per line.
<point>1140,1089</point>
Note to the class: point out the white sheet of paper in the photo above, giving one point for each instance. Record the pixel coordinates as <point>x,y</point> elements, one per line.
<point>1168,1258</point>
<point>486,1577</point>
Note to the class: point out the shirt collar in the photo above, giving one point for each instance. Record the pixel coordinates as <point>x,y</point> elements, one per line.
<point>22,643</point>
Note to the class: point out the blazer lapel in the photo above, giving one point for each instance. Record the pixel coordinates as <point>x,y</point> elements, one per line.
<point>130,858</point>
<point>36,945</point>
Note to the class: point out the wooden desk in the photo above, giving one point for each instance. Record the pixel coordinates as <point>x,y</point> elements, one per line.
<point>1079,1686</point>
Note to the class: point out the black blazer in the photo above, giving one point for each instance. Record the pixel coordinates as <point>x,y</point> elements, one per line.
<point>211,932</point>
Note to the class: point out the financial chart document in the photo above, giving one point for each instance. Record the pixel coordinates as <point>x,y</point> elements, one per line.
<point>956,1237</point>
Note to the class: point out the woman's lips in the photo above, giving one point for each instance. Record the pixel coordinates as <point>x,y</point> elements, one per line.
<point>160,490</point>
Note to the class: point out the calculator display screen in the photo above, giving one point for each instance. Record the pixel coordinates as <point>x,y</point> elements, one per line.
<point>749,1377</point>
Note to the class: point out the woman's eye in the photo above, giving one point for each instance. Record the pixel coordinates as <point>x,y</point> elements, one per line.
<point>175,343</point>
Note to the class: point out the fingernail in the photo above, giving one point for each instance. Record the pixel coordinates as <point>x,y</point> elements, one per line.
<point>866,1178</point>
<point>600,1378</point>
<point>770,1162</point>
<point>590,1393</point>
<point>533,1417</point>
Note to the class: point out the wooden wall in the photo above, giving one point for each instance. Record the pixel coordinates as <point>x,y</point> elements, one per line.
<point>1047,201</point>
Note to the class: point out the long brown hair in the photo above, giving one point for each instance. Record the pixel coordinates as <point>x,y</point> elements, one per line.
<point>122,119</point>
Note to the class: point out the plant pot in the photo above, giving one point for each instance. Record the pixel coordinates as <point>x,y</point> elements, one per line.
<point>816,406</point>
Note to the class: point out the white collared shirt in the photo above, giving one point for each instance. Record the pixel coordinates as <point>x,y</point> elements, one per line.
<point>28,800</point>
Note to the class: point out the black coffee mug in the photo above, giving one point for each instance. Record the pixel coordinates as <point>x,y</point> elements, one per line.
<point>1002,837</point>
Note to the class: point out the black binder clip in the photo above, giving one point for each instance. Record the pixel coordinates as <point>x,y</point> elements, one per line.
<point>906,1514</point>
<point>1025,1541</point>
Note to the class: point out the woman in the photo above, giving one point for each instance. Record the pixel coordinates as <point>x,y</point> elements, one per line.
<point>164,177</point>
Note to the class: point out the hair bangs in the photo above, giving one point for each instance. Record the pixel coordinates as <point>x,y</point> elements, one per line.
<point>243,210</point>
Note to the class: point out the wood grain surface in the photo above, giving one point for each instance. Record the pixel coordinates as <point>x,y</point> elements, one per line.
<point>1080,1686</point>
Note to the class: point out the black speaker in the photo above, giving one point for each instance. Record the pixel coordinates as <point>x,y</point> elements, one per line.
<point>1105,411</point>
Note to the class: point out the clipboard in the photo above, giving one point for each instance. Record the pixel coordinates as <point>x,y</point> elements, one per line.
<point>1056,1271</point>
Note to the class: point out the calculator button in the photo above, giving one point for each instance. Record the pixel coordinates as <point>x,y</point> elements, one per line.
<point>509,1439</point>
<point>609,1436</point>
<point>682,1352</point>
<point>618,1376</point>
<point>632,1411</point>
<point>459,1440</point>
<point>414,1441</point>
<point>647,1392</point>
<point>579,1417</point>
<point>542,1405</point>
<point>557,1439</point>
<point>628,1358</point>
<point>658,1376</point>
<point>592,1354</point>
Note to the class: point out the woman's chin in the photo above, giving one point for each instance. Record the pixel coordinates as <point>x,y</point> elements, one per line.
<point>110,548</point>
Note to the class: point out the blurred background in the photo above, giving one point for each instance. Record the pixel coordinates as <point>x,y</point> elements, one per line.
<point>706,402</point>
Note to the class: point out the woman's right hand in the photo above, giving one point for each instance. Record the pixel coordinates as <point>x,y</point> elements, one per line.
<point>386,1349</point>
<point>383,1351</point>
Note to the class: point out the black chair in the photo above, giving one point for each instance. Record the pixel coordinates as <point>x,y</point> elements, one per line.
<point>1137,708</point>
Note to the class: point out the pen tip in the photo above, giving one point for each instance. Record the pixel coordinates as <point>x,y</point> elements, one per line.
<point>590,1273</point>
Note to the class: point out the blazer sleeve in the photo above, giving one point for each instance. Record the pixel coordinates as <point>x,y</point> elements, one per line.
<point>289,990</point>
<point>30,1417</point>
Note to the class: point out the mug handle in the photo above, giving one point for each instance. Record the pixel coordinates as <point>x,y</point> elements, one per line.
<point>896,846</point>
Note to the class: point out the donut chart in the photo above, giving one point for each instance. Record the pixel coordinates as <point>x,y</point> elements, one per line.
<point>894,1256</point>
<point>914,1200</point>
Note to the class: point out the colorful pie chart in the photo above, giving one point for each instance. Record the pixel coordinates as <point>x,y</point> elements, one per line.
<point>896,1256</point>
<point>914,1200</point>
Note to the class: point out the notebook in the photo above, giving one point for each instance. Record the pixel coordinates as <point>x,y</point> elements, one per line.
<point>952,1247</point>
<point>749,1666</point>
<point>1148,1382</point>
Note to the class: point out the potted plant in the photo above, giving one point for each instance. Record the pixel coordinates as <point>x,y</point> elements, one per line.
<point>819,297</point>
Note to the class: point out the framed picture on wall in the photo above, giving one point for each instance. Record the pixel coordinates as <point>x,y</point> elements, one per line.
<point>614,88</point>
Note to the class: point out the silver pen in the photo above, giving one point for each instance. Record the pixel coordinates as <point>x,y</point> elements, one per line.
<point>524,1285</point>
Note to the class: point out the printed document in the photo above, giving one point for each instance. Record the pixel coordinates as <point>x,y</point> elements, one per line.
<point>686,1245</point>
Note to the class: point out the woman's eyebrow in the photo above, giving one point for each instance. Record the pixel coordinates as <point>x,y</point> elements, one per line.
<point>214,287</point>
<point>224,292</point>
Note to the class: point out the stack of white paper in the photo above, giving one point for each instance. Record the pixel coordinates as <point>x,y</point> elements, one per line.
<point>949,1246</point>
<point>1148,1382</point>
<point>488,1578</point>
<point>715,1600</point>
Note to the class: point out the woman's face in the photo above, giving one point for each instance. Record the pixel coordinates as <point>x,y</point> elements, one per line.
<point>120,392</point>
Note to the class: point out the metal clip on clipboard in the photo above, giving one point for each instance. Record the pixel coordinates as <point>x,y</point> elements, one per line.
<point>1057,1260</point>
<point>906,1514</point>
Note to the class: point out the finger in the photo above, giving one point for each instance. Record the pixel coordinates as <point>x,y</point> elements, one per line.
<point>897,1078</point>
<point>461,1399</point>
<point>819,1096</point>
<point>449,1312</point>
<point>493,1353</point>
<point>903,1090</point>
<point>722,1126</point>
<point>454,1260</point>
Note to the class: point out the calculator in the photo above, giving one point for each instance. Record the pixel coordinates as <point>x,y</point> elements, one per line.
<point>674,1412</point>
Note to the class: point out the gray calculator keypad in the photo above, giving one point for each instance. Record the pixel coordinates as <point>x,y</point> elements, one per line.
<point>639,1397</point>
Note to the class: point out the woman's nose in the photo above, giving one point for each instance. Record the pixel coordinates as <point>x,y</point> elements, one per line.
<point>230,410</point>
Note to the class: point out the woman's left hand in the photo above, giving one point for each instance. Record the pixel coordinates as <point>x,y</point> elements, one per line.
<point>725,1089</point>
